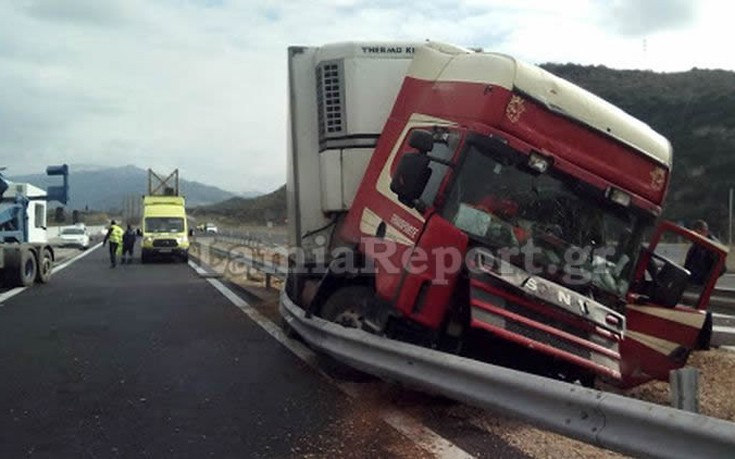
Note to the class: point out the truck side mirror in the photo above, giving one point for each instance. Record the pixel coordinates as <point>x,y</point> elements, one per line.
<point>421,140</point>
<point>410,177</point>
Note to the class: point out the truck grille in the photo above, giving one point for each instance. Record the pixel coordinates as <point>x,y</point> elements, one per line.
<point>534,333</point>
<point>547,338</point>
<point>522,320</point>
<point>165,243</point>
<point>538,317</point>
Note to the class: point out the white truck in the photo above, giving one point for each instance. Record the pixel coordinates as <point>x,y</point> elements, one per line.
<point>25,253</point>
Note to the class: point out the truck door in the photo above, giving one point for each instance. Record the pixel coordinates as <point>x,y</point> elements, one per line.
<point>430,273</point>
<point>666,312</point>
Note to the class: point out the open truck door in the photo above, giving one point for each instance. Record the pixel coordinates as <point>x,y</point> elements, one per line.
<point>667,314</point>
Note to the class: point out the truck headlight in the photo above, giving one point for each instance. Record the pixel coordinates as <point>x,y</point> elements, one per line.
<point>538,162</point>
<point>618,196</point>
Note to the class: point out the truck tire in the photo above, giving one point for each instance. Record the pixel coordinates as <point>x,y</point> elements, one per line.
<point>347,306</point>
<point>20,268</point>
<point>45,265</point>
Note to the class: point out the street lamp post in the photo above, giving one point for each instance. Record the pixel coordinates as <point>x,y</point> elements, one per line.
<point>729,221</point>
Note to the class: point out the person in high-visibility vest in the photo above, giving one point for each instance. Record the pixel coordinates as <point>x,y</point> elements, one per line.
<point>114,236</point>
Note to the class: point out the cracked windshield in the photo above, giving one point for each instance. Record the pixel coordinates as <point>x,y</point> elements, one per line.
<point>544,223</point>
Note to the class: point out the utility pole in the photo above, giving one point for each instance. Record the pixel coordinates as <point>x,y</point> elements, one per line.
<point>729,220</point>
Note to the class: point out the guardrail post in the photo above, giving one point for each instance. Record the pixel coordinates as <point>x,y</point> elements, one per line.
<point>684,384</point>
<point>203,253</point>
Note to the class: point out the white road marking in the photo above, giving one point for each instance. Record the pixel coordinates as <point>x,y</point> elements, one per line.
<point>15,291</point>
<point>407,425</point>
<point>56,269</point>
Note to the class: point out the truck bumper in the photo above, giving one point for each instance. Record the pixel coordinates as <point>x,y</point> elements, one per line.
<point>150,252</point>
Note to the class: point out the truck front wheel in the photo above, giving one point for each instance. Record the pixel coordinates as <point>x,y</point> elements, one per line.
<point>347,306</point>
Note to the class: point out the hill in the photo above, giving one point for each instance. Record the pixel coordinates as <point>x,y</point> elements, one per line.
<point>260,210</point>
<point>105,188</point>
<point>695,110</point>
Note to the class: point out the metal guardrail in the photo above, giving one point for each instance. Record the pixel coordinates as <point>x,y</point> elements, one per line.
<point>260,265</point>
<point>722,303</point>
<point>606,420</point>
<point>234,255</point>
<point>723,300</point>
<point>249,240</point>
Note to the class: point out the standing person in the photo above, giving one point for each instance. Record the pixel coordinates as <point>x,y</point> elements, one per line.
<point>128,243</point>
<point>700,261</point>
<point>114,235</point>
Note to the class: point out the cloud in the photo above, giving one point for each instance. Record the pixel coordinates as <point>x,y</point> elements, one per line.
<point>639,18</point>
<point>85,12</point>
<point>200,85</point>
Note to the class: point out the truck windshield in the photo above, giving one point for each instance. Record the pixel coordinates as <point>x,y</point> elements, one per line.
<point>548,224</point>
<point>164,225</point>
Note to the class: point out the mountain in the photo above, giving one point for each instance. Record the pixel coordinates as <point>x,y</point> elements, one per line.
<point>262,209</point>
<point>695,110</point>
<point>105,189</point>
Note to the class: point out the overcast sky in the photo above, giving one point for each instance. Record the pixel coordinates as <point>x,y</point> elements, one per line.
<point>200,85</point>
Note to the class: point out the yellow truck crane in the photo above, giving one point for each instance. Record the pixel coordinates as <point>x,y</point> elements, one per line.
<point>165,229</point>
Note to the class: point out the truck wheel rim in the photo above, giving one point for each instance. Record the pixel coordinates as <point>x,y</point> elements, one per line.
<point>28,270</point>
<point>350,318</point>
<point>46,265</point>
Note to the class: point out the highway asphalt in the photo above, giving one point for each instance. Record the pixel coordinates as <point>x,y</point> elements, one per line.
<point>151,361</point>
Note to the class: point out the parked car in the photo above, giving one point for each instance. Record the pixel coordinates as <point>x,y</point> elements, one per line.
<point>210,228</point>
<point>74,236</point>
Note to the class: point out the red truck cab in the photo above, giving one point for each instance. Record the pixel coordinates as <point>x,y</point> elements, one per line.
<point>506,208</point>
